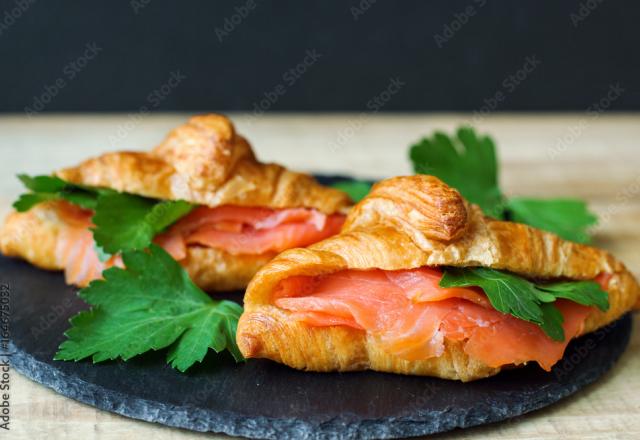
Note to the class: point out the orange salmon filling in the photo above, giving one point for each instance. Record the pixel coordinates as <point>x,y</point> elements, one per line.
<point>249,230</point>
<point>409,315</point>
<point>234,229</point>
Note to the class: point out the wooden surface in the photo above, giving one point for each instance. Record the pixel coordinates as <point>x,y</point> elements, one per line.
<point>593,157</point>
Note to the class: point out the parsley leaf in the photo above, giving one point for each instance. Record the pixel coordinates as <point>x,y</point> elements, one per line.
<point>47,184</point>
<point>150,305</point>
<point>27,201</point>
<point>356,189</point>
<point>552,321</point>
<point>45,188</point>
<point>587,293</point>
<point>569,218</point>
<point>467,163</point>
<point>122,221</point>
<point>509,293</point>
<point>125,222</point>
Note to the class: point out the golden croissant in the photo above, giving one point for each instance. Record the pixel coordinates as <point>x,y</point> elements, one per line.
<point>247,211</point>
<point>371,297</point>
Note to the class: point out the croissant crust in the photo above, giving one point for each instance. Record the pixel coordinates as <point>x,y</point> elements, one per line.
<point>205,162</point>
<point>409,222</point>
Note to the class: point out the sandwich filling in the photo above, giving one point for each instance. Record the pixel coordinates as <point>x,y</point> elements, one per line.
<point>249,230</point>
<point>407,314</point>
<point>237,230</point>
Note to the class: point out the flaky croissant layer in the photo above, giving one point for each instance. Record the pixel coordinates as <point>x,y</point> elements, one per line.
<point>405,223</point>
<point>206,162</point>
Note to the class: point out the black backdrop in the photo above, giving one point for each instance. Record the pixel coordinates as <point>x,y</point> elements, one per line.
<point>318,55</point>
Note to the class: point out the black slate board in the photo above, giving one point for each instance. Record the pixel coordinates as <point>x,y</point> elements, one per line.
<point>261,399</point>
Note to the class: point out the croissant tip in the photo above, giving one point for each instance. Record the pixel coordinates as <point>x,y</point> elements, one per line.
<point>249,345</point>
<point>428,204</point>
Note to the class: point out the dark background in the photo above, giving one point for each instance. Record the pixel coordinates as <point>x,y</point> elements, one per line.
<point>579,55</point>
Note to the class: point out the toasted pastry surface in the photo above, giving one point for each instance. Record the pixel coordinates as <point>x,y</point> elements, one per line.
<point>205,162</point>
<point>409,222</point>
<point>35,235</point>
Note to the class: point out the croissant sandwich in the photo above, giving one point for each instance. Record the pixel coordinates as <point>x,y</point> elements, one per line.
<point>420,282</point>
<point>201,194</point>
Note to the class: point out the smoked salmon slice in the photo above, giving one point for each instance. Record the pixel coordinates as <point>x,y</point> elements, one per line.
<point>235,229</point>
<point>410,316</point>
<point>75,248</point>
<point>251,230</point>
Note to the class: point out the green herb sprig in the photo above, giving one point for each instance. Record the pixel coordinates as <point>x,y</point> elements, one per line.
<point>512,294</point>
<point>468,162</point>
<point>122,221</point>
<point>355,189</point>
<point>150,305</point>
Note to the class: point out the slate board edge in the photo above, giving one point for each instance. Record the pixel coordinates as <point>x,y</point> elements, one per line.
<point>268,428</point>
